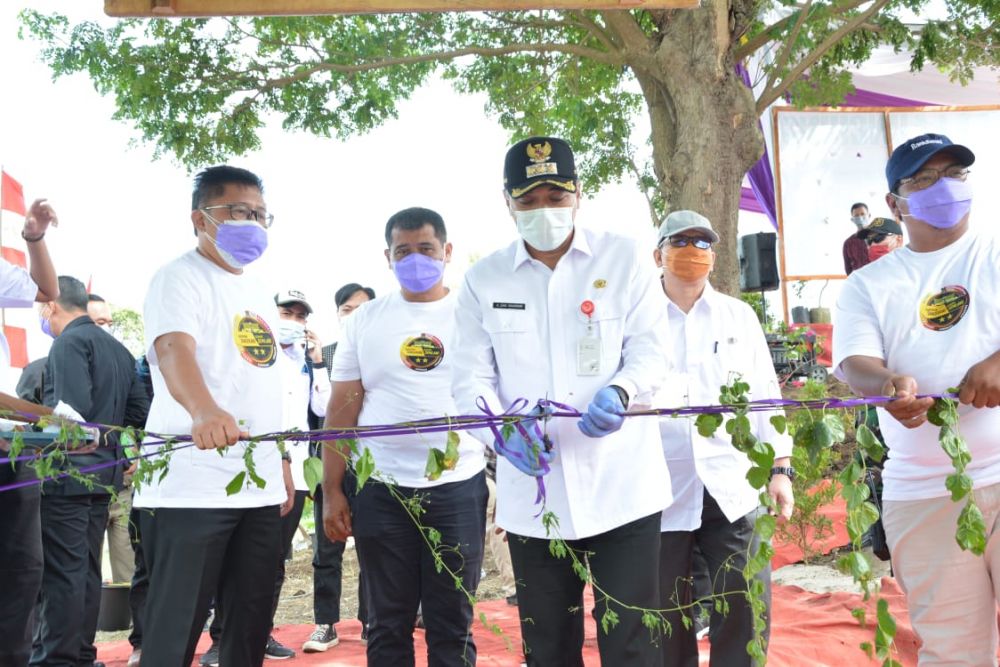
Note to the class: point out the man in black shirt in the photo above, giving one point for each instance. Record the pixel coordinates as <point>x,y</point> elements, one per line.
<point>92,373</point>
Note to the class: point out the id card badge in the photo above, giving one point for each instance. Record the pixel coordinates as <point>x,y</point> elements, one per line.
<point>588,355</point>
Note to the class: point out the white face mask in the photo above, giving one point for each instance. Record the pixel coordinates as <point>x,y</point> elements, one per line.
<point>290,331</point>
<point>545,228</point>
<point>859,220</point>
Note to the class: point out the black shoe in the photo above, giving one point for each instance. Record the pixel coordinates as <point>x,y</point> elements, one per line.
<point>275,650</point>
<point>322,638</point>
<point>211,656</point>
<point>512,600</point>
<point>364,635</point>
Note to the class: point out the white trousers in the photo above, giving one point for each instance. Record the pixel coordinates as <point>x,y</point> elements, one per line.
<point>951,594</point>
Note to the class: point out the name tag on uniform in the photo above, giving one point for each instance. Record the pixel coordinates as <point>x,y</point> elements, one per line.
<point>588,356</point>
<point>505,305</point>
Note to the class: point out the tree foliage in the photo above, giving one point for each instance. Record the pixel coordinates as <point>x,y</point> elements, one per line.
<point>127,326</point>
<point>200,89</point>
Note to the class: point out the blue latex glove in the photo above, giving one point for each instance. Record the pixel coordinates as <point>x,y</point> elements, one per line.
<point>602,417</point>
<point>529,454</point>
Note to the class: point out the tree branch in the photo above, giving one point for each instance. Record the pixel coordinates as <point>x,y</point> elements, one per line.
<point>771,94</point>
<point>765,35</point>
<point>595,29</point>
<point>635,43</point>
<point>788,47</point>
<point>571,49</point>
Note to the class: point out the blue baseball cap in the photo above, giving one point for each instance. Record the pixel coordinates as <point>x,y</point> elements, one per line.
<point>913,153</point>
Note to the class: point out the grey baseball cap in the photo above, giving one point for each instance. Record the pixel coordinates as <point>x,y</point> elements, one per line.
<point>682,221</point>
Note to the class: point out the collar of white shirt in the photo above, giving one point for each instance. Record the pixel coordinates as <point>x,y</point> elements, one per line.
<point>706,300</point>
<point>580,244</point>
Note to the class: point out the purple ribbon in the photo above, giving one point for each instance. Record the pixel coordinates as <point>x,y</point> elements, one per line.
<point>488,419</point>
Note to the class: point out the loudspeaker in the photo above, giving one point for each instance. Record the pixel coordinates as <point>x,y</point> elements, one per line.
<point>758,262</point>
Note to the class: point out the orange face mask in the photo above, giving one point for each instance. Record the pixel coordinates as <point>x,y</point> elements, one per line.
<point>689,263</point>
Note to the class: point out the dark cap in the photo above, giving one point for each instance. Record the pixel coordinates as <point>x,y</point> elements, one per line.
<point>537,161</point>
<point>881,226</point>
<point>289,296</point>
<point>913,153</point>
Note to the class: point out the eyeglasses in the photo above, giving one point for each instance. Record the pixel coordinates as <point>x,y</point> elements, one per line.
<point>925,178</point>
<point>696,241</point>
<point>244,212</point>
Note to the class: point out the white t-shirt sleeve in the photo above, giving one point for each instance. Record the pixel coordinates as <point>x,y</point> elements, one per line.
<point>172,305</point>
<point>17,289</point>
<point>346,367</point>
<point>856,330</point>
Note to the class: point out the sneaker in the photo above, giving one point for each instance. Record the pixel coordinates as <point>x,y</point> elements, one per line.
<point>364,635</point>
<point>323,637</point>
<point>211,656</point>
<point>512,600</point>
<point>275,650</point>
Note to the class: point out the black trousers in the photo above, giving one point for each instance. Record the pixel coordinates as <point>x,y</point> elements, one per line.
<point>328,573</point>
<point>289,524</point>
<point>724,546</point>
<point>401,573</point>
<point>20,565</point>
<point>194,553</point>
<point>550,596</point>
<point>140,580</point>
<point>70,599</point>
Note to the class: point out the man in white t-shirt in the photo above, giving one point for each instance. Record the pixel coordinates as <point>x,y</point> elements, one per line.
<point>714,339</point>
<point>921,320</point>
<point>575,316</point>
<point>213,355</point>
<point>20,528</point>
<point>302,390</point>
<point>395,364</point>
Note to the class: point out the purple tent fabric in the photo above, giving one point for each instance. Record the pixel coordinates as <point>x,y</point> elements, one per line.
<point>760,176</point>
<point>869,98</point>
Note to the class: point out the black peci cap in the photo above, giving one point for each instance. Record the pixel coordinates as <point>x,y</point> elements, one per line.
<point>536,161</point>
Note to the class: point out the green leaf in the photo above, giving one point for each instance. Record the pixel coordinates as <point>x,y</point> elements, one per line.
<point>451,451</point>
<point>435,464</point>
<point>364,466</point>
<point>609,619</point>
<point>971,533</point>
<point>312,470</point>
<point>236,483</point>
<point>765,526</point>
<point>885,629</point>
<point>779,422</point>
<point>758,477</point>
<point>959,484</point>
<point>868,443</point>
<point>835,422</point>
<point>708,424</point>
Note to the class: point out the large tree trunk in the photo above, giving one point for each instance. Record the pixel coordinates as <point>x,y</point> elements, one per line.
<point>705,133</point>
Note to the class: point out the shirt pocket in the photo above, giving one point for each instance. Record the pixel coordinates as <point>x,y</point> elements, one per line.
<point>509,332</point>
<point>608,324</point>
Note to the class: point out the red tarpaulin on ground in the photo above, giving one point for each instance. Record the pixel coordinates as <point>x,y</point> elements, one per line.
<point>814,629</point>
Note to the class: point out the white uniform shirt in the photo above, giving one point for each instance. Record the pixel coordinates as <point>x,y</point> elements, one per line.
<point>403,353</point>
<point>931,315</point>
<point>230,318</point>
<point>17,290</point>
<point>297,395</point>
<point>717,340</point>
<point>519,324</point>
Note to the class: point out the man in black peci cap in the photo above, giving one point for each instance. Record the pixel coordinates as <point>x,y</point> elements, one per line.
<point>919,321</point>
<point>573,315</point>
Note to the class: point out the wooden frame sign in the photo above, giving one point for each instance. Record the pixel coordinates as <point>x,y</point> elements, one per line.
<point>205,8</point>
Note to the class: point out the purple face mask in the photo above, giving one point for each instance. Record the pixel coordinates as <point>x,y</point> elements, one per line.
<point>46,326</point>
<point>239,242</point>
<point>942,205</point>
<point>418,273</point>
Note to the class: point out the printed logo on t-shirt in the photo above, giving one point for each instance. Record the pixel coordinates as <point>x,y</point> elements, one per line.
<point>943,310</point>
<point>422,353</point>
<point>254,339</point>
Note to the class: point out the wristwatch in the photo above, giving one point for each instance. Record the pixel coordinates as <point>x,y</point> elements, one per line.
<point>287,456</point>
<point>784,470</point>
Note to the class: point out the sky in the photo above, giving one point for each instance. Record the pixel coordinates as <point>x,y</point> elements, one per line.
<point>124,214</point>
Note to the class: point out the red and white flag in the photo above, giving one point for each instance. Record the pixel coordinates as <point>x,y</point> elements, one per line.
<point>11,195</point>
